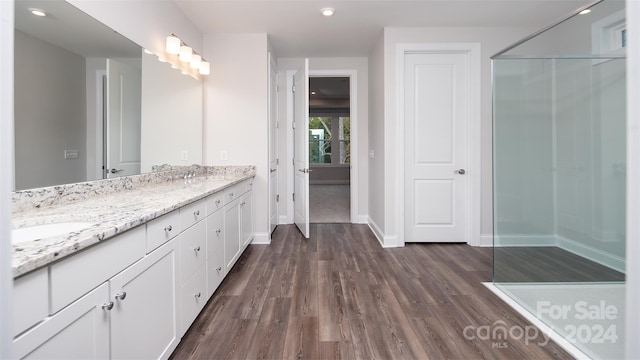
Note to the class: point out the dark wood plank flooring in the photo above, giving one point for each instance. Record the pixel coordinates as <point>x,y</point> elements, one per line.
<point>548,264</point>
<point>340,295</point>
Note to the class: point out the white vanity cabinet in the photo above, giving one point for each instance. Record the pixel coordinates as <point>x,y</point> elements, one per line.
<point>144,313</point>
<point>216,269</point>
<point>79,331</point>
<point>238,222</point>
<point>246,218</point>
<point>193,285</point>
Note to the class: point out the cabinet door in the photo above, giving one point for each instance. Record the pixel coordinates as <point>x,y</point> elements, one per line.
<point>79,331</point>
<point>246,218</point>
<point>193,297</point>
<point>144,320</point>
<point>231,233</point>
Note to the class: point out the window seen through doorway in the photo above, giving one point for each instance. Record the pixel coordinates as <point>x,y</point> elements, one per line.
<point>329,121</point>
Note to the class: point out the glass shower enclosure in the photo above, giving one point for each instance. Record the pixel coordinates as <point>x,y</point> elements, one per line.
<point>559,168</point>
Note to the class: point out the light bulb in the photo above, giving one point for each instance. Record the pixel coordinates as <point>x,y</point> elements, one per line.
<point>185,53</point>
<point>205,68</point>
<point>328,11</point>
<point>195,61</point>
<point>173,45</point>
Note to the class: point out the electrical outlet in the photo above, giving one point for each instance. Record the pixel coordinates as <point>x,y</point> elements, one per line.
<point>184,155</point>
<point>223,155</point>
<point>71,154</point>
<point>371,154</point>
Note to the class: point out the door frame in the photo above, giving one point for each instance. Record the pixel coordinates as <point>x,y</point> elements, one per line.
<point>273,142</point>
<point>353,114</point>
<point>474,123</point>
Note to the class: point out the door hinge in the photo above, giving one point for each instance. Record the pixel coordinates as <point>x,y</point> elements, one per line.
<point>278,161</point>
<point>294,196</point>
<point>277,124</point>
<point>293,161</point>
<point>278,198</point>
<point>293,125</point>
<point>277,87</point>
<point>293,89</point>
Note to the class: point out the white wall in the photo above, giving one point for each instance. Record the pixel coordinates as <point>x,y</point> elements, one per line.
<point>236,111</point>
<point>50,112</point>
<point>285,153</point>
<point>94,135</point>
<point>171,116</point>
<point>492,40</point>
<point>6,175</point>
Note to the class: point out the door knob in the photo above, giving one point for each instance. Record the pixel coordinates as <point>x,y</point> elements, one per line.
<point>306,171</point>
<point>113,171</point>
<point>460,171</point>
<point>272,170</point>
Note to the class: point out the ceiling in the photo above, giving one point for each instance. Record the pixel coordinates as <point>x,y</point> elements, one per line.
<point>297,29</point>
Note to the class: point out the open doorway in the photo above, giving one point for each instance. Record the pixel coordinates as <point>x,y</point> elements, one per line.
<point>329,150</point>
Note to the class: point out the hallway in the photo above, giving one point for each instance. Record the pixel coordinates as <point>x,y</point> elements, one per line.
<point>326,298</point>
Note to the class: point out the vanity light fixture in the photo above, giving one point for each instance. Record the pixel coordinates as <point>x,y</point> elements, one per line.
<point>173,44</point>
<point>185,53</point>
<point>195,61</point>
<point>146,51</point>
<point>585,11</point>
<point>328,11</point>
<point>38,12</point>
<point>204,68</point>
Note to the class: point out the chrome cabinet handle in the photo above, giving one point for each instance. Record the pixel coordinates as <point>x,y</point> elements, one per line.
<point>121,295</point>
<point>218,202</point>
<point>198,294</point>
<point>168,228</point>
<point>107,306</point>
<point>196,213</point>
<point>459,171</point>
<point>197,248</point>
<point>272,170</point>
<point>219,268</point>
<point>218,232</point>
<point>231,194</point>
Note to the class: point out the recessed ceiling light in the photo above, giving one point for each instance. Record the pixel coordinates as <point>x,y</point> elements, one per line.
<point>585,11</point>
<point>328,11</point>
<point>38,12</point>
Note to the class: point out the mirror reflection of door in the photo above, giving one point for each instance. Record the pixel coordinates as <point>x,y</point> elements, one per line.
<point>123,119</point>
<point>329,150</point>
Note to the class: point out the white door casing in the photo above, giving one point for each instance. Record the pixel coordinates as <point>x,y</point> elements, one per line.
<point>439,149</point>
<point>301,148</point>
<point>124,84</point>
<point>273,144</point>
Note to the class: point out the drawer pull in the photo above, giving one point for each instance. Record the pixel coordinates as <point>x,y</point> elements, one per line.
<point>219,268</point>
<point>231,194</point>
<point>197,248</point>
<point>218,202</point>
<point>107,305</point>
<point>121,295</point>
<point>218,232</point>
<point>168,228</point>
<point>196,213</point>
<point>197,295</point>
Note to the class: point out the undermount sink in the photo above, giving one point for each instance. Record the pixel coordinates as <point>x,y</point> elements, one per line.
<point>29,233</point>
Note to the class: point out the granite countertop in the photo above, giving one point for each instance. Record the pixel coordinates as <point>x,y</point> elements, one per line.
<point>110,213</point>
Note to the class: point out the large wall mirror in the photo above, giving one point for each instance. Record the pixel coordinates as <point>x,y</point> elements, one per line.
<point>90,104</point>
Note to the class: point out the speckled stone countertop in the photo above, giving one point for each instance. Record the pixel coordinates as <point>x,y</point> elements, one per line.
<point>112,206</point>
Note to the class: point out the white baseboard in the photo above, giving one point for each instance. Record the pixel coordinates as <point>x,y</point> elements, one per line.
<point>261,239</point>
<point>526,240</point>
<point>611,261</point>
<point>329,182</point>
<point>376,231</point>
<point>486,240</point>
<point>284,220</point>
<point>362,219</point>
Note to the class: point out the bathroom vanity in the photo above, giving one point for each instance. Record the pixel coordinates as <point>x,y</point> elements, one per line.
<point>141,259</point>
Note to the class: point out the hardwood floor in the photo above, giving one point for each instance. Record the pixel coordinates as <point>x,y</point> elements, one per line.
<point>340,295</point>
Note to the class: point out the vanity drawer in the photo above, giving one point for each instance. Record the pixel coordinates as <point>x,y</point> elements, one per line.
<point>73,277</point>
<point>248,185</point>
<point>162,229</point>
<point>215,270</point>
<point>30,300</point>
<point>214,202</point>
<point>234,192</point>
<point>215,232</point>
<point>193,249</point>
<point>192,213</point>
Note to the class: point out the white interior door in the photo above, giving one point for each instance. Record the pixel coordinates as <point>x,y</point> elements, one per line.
<point>123,119</point>
<point>301,148</point>
<point>273,144</point>
<point>436,108</point>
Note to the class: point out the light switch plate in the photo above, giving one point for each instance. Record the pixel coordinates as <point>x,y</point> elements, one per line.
<point>223,155</point>
<point>184,155</point>
<point>71,154</point>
